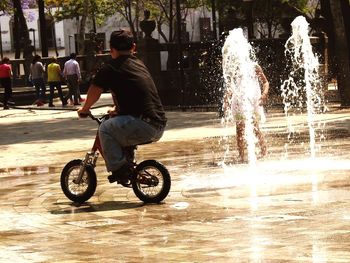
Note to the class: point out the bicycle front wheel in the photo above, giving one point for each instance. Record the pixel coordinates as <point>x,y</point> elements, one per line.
<point>78,191</point>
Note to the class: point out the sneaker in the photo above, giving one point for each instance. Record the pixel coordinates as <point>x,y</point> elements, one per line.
<point>40,103</point>
<point>6,107</point>
<point>122,174</point>
<point>82,99</point>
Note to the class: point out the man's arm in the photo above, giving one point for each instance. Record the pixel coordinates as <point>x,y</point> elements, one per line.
<point>78,70</point>
<point>93,95</point>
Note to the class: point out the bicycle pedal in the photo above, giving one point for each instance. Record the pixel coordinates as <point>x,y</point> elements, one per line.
<point>125,183</point>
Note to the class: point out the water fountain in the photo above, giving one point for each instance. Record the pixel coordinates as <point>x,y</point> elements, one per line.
<point>301,184</point>
<point>302,91</point>
<point>241,89</point>
<point>303,88</point>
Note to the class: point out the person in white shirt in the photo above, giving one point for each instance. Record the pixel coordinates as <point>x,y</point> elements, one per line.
<point>72,74</point>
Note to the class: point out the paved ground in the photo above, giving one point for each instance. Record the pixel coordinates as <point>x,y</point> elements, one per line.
<point>286,208</point>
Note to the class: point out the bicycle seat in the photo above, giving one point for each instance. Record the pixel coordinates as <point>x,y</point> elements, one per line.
<point>144,143</point>
<point>134,147</point>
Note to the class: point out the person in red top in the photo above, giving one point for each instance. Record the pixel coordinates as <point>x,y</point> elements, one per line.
<point>5,80</point>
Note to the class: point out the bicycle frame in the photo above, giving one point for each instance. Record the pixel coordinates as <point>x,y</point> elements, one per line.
<point>91,157</point>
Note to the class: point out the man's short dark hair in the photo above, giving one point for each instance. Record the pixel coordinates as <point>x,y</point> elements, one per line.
<point>73,56</point>
<point>121,40</point>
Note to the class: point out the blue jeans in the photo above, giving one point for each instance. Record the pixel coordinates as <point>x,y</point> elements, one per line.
<point>40,88</point>
<point>121,131</point>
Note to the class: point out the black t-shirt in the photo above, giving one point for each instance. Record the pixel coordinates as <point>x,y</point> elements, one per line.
<point>131,84</point>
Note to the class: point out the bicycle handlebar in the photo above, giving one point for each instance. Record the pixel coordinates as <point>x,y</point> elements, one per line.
<point>84,115</point>
<point>97,119</point>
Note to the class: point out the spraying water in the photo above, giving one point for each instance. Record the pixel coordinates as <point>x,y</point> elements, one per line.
<point>304,83</point>
<point>241,89</point>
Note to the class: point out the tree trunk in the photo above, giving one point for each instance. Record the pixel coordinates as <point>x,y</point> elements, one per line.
<point>346,14</point>
<point>27,47</point>
<point>341,53</point>
<point>130,19</point>
<point>81,37</point>
<point>43,31</point>
<point>161,33</point>
<point>22,22</point>
<point>328,27</point>
<point>171,21</point>
<point>17,36</point>
<point>137,20</point>
<point>54,38</point>
<point>214,22</point>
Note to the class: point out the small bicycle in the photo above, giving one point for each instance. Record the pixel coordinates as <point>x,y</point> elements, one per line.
<point>150,180</point>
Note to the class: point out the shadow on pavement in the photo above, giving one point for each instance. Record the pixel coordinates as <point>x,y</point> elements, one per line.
<point>48,130</point>
<point>91,207</point>
<point>61,129</point>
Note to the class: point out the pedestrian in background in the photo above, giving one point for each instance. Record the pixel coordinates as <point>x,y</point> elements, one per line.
<point>72,74</point>
<point>54,76</point>
<point>37,75</point>
<point>5,81</point>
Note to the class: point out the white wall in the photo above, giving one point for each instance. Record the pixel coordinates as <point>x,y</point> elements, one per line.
<point>32,22</point>
<point>5,32</point>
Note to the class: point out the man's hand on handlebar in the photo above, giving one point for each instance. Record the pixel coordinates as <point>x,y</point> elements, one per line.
<point>113,111</point>
<point>83,113</point>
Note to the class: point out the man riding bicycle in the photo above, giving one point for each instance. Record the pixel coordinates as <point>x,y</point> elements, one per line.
<point>137,116</point>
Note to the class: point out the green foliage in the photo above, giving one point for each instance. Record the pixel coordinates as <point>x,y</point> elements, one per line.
<point>299,4</point>
<point>276,14</point>
<point>68,9</point>
<point>160,11</point>
<point>270,14</point>
<point>4,5</point>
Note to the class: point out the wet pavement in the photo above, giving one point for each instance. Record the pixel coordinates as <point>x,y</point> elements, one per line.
<point>286,208</point>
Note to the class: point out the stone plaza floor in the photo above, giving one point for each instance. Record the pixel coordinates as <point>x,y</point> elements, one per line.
<point>287,207</point>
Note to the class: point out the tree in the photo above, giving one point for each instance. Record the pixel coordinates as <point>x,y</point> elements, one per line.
<point>24,33</point>
<point>164,12</point>
<point>273,15</point>
<point>341,51</point>
<point>267,14</point>
<point>85,10</point>
<point>20,30</point>
<point>230,14</point>
<point>127,9</point>
<point>43,34</point>
<point>5,6</point>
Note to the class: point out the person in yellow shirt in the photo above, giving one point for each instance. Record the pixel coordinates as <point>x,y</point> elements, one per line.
<point>54,76</point>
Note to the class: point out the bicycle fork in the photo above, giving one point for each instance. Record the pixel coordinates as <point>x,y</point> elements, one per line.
<point>90,159</point>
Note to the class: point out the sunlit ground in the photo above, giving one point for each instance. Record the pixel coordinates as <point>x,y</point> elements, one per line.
<point>287,207</point>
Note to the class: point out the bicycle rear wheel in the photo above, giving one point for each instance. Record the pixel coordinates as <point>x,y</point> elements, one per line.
<point>152,181</point>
